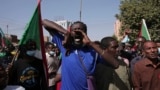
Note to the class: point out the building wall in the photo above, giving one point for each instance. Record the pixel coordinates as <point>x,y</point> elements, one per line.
<point>64,23</point>
<point>117,27</point>
<point>12,38</point>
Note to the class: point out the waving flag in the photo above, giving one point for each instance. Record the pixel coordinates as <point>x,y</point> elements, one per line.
<point>3,40</point>
<point>34,31</point>
<point>125,39</point>
<point>144,31</point>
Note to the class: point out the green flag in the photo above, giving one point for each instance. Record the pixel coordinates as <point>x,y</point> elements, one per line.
<point>34,31</point>
<point>144,31</point>
<point>3,40</point>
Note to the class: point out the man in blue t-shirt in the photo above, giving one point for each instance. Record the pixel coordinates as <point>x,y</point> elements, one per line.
<point>78,54</point>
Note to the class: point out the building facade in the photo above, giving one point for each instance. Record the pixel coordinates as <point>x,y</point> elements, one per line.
<point>117,27</point>
<point>64,23</point>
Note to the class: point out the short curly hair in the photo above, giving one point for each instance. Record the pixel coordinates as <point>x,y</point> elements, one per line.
<point>105,42</point>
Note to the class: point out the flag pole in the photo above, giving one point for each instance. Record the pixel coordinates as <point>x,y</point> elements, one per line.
<point>15,56</point>
<point>42,42</point>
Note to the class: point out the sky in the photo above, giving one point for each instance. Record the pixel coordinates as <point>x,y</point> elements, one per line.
<point>98,15</point>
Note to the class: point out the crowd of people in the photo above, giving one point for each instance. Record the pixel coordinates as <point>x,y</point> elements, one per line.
<point>72,57</point>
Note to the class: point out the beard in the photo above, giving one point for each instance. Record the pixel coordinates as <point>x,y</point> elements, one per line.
<point>77,41</point>
<point>77,44</point>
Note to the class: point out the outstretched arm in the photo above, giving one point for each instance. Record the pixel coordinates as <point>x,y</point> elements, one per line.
<point>105,55</point>
<point>51,27</point>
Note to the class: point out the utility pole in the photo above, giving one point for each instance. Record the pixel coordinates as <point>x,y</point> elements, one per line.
<point>80,10</point>
<point>7,30</point>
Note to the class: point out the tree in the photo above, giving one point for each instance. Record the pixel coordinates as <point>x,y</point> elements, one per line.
<point>133,11</point>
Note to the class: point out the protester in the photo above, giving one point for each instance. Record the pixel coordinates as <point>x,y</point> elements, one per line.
<point>138,51</point>
<point>76,45</point>
<point>125,51</point>
<point>107,77</point>
<point>2,56</point>
<point>146,71</point>
<point>9,54</point>
<point>53,61</point>
<point>3,77</point>
<point>138,44</point>
<point>57,79</point>
<point>122,54</point>
<point>158,45</point>
<point>28,71</point>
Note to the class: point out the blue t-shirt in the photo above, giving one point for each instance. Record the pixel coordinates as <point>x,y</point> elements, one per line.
<point>73,73</point>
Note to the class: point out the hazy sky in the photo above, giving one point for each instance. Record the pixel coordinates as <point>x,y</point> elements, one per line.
<point>99,15</point>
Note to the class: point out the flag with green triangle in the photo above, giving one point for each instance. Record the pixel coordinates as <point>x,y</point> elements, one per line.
<point>144,31</point>
<point>34,31</point>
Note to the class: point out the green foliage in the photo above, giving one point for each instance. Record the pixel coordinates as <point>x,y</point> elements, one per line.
<point>133,11</point>
<point>115,37</point>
